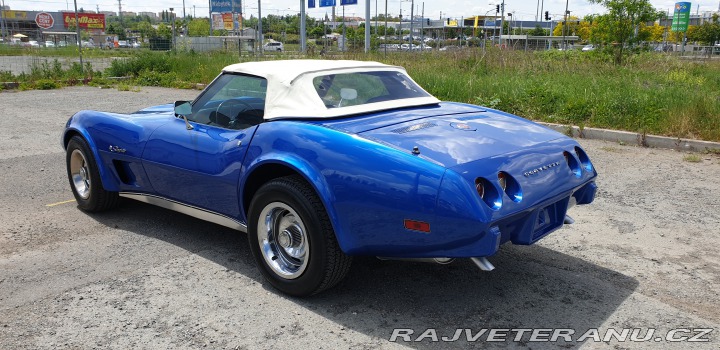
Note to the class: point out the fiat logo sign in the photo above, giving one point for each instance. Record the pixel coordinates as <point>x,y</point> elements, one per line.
<point>44,20</point>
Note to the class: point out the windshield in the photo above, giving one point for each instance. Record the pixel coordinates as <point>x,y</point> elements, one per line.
<point>352,89</point>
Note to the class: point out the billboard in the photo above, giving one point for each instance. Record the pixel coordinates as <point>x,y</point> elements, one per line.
<point>226,21</point>
<point>327,3</point>
<point>220,6</point>
<point>86,20</point>
<point>681,17</point>
<point>348,2</point>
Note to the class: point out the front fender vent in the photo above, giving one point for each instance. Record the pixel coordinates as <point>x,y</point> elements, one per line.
<point>414,127</point>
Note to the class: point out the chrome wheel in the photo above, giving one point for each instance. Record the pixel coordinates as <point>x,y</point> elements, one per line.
<point>283,240</point>
<point>80,174</point>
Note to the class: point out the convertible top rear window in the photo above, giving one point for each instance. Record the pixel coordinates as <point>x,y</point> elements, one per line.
<point>352,89</point>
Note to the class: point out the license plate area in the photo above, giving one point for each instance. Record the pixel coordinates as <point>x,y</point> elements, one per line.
<point>549,218</point>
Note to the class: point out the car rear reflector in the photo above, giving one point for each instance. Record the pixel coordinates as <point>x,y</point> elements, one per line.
<point>417,225</point>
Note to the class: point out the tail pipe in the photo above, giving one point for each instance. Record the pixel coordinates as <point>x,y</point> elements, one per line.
<point>483,263</point>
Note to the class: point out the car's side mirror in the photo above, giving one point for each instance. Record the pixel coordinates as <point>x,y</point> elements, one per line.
<point>183,108</point>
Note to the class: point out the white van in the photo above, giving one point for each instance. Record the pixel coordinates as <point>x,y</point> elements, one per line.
<point>273,46</point>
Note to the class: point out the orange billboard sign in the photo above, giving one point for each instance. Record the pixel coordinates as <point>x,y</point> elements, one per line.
<point>85,20</point>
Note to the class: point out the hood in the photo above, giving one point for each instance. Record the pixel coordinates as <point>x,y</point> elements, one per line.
<point>452,139</point>
<point>166,108</point>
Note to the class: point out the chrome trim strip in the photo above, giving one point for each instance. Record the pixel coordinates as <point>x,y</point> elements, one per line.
<point>195,212</point>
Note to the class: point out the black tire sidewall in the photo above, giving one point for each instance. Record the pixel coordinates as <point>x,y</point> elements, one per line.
<point>78,143</point>
<point>313,276</point>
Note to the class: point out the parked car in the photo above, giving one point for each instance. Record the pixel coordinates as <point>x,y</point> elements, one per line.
<point>49,43</point>
<point>135,45</point>
<point>321,160</point>
<point>123,44</point>
<point>589,47</point>
<point>62,43</point>
<point>33,44</point>
<point>273,46</point>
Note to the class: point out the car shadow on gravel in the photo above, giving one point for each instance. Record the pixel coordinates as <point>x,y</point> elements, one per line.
<point>531,287</point>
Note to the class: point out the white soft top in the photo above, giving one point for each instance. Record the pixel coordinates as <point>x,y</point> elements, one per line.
<point>291,94</point>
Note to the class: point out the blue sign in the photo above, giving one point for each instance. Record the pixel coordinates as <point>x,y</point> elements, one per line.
<point>311,4</point>
<point>220,6</point>
<point>348,2</point>
<point>327,3</point>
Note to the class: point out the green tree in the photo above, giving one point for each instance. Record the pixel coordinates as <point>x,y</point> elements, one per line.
<point>617,28</point>
<point>163,31</point>
<point>708,33</point>
<point>146,30</point>
<point>538,31</point>
<point>198,27</point>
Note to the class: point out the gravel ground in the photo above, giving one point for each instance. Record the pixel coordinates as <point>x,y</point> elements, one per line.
<point>644,255</point>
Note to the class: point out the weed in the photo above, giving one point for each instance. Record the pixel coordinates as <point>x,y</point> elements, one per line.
<point>692,158</point>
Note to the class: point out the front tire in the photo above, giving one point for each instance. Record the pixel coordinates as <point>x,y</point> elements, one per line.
<point>85,180</point>
<point>292,240</point>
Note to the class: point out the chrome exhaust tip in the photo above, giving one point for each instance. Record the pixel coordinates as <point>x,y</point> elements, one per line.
<point>483,263</point>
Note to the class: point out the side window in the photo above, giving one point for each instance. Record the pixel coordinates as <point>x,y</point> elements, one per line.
<point>233,101</point>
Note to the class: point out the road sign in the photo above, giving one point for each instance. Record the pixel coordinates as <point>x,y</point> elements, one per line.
<point>44,20</point>
<point>681,17</point>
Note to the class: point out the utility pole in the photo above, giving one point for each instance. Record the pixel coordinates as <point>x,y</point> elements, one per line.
<point>79,40</point>
<point>367,26</point>
<point>565,24</point>
<point>260,35</point>
<point>210,17</point>
<point>184,9</point>
<point>119,12</point>
<point>502,22</point>
<point>303,40</point>
<point>422,27</point>
<point>3,25</point>
<point>386,27</point>
<point>412,18</point>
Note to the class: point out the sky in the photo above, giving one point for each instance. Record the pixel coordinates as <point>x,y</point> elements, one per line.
<point>434,9</point>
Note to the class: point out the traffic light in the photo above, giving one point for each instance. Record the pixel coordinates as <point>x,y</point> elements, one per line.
<point>547,15</point>
<point>497,9</point>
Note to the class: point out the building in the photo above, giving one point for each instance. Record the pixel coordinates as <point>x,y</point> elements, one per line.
<point>23,22</point>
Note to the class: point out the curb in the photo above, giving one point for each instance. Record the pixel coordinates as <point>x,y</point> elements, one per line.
<point>632,138</point>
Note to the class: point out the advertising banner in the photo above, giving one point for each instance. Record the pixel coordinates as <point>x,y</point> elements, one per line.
<point>86,20</point>
<point>220,6</point>
<point>681,17</point>
<point>226,21</point>
<point>15,14</point>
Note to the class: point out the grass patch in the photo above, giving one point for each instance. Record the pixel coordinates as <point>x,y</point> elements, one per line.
<point>651,94</point>
<point>692,158</point>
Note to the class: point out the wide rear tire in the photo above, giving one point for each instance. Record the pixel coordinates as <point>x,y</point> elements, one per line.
<point>292,239</point>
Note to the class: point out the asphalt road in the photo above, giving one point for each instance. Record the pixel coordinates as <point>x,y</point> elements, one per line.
<point>644,255</point>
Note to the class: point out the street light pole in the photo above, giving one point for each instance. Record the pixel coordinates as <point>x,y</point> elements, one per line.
<point>302,27</point>
<point>173,27</point>
<point>502,21</point>
<point>565,24</point>
<point>79,39</point>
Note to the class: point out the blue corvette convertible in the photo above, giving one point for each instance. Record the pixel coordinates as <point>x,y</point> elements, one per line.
<point>319,161</point>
